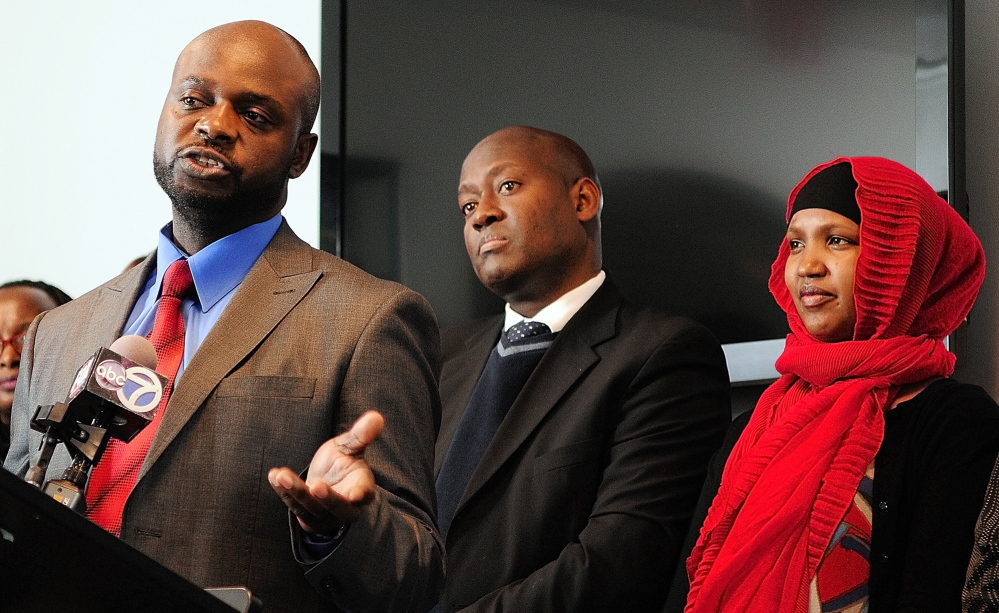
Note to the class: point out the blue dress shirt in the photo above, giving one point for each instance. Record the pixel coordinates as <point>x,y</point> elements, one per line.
<point>218,270</point>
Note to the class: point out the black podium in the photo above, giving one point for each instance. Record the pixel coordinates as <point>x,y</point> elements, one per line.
<point>52,559</point>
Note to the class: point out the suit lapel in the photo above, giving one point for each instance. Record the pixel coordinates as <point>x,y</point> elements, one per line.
<point>278,281</point>
<point>113,305</point>
<point>470,363</point>
<point>569,358</point>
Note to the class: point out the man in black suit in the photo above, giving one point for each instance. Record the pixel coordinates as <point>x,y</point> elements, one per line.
<point>572,451</point>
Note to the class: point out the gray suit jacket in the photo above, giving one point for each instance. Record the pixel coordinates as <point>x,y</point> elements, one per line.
<point>581,500</point>
<point>306,345</point>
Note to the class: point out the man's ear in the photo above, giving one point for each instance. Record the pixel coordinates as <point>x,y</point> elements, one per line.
<point>304,149</point>
<point>586,196</point>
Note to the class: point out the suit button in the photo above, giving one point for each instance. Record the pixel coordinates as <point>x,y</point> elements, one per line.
<point>332,586</point>
<point>883,505</point>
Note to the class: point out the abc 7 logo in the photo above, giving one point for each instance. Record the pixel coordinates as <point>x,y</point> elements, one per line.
<point>138,388</point>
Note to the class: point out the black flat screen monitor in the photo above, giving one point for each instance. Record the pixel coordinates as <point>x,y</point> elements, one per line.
<point>700,116</point>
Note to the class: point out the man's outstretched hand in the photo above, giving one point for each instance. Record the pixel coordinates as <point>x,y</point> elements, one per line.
<point>339,482</point>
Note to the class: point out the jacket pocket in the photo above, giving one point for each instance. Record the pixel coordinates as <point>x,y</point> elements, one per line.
<point>266,387</point>
<point>567,455</point>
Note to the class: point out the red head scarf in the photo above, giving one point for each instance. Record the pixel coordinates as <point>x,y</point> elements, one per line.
<point>794,471</point>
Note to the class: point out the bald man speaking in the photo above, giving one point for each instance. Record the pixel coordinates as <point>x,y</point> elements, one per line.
<point>273,348</point>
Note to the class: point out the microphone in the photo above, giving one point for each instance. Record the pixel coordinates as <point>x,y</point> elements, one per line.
<point>136,348</point>
<point>115,395</point>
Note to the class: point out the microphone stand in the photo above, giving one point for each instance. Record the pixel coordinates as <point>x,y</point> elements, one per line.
<point>85,442</point>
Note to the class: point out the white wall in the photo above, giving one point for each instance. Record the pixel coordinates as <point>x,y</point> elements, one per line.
<point>83,84</point>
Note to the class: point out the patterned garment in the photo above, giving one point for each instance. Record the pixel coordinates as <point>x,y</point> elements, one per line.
<point>981,588</point>
<point>840,584</point>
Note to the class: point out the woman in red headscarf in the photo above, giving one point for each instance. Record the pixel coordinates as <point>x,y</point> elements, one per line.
<point>858,479</point>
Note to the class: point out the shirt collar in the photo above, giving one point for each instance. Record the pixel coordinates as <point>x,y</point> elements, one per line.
<point>220,267</point>
<point>558,313</point>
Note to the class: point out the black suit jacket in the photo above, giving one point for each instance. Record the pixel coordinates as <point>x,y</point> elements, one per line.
<point>584,495</point>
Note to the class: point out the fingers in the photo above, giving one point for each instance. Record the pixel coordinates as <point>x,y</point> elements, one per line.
<point>338,507</point>
<point>314,507</point>
<point>355,485</point>
<point>292,490</point>
<point>283,479</point>
<point>364,431</point>
<point>339,482</point>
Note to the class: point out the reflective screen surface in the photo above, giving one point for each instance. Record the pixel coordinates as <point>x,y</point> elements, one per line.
<point>700,116</point>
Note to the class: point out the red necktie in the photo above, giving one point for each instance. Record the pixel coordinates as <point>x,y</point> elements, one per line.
<point>114,477</point>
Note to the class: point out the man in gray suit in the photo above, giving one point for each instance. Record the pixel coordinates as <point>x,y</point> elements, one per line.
<point>285,347</point>
<point>577,427</point>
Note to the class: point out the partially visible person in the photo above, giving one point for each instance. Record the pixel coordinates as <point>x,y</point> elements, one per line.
<point>20,302</point>
<point>858,478</point>
<point>576,426</point>
<point>981,588</point>
<point>57,295</point>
